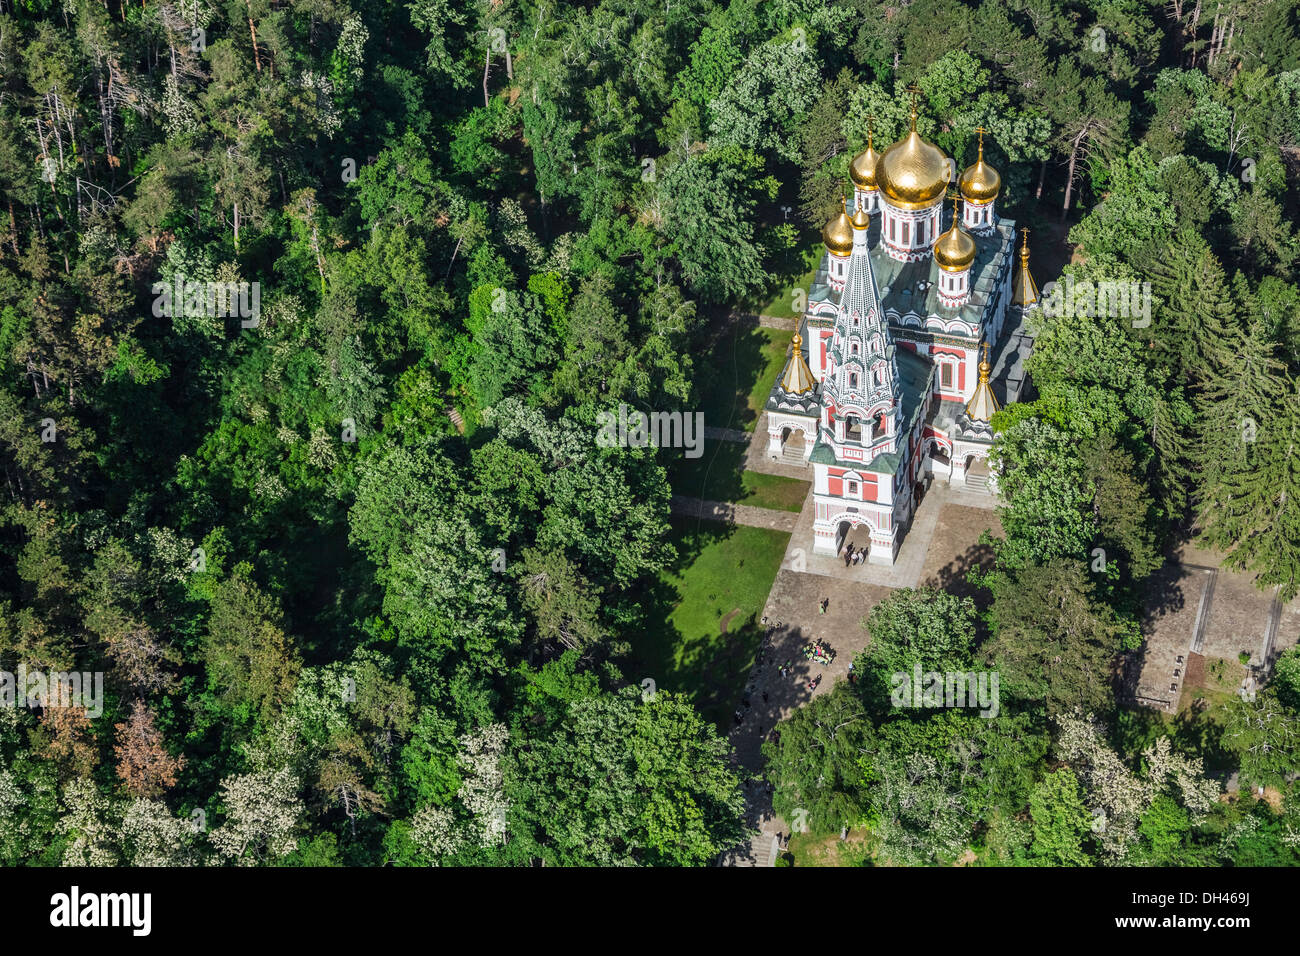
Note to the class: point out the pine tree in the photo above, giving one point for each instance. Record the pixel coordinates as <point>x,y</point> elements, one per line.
<point>1169,435</point>
<point>1192,333</point>
<point>1254,510</point>
<point>1233,405</point>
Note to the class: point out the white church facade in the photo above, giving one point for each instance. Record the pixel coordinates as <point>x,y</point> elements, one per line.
<point>889,381</point>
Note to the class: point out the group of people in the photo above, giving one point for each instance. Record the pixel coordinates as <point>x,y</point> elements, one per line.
<point>814,651</point>
<point>819,652</point>
<point>786,668</point>
<point>854,555</point>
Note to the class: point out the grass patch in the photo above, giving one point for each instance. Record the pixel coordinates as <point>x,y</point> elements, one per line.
<point>719,475</point>
<point>811,849</point>
<point>722,576</point>
<point>739,376</point>
<point>781,304</point>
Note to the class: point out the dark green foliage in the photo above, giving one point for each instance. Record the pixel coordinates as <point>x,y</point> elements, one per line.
<point>361,559</point>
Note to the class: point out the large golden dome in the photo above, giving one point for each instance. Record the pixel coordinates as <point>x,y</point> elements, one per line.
<point>863,168</point>
<point>839,233</point>
<point>981,182</point>
<point>954,251</point>
<point>912,173</point>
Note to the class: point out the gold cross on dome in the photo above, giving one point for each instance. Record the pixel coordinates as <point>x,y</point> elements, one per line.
<point>915,91</point>
<point>981,131</point>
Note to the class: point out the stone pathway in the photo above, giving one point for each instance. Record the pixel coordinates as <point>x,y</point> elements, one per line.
<point>1197,612</point>
<point>793,618</point>
<point>727,434</point>
<point>734,514</point>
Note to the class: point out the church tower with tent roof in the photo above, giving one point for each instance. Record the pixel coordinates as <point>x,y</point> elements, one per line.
<point>885,387</point>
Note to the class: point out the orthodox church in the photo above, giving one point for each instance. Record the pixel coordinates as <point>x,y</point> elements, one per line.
<point>889,380</point>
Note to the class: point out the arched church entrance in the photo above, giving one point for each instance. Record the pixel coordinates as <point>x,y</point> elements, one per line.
<point>793,445</point>
<point>852,536</point>
<point>977,472</point>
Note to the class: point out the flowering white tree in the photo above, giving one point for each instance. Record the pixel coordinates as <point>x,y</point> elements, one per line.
<point>1118,795</point>
<point>436,832</point>
<point>761,108</point>
<point>89,821</point>
<point>263,810</point>
<point>483,790</point>
<point>151,836</point>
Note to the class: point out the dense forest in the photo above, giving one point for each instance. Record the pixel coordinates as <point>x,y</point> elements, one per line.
<point>360,580</point>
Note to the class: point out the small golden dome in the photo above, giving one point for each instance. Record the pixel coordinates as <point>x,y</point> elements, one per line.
<point>863,168</point>
<point>954,251</point>
<point>1024,291</point>
<point>839,233</point>
<point>983,404</point>
<point>913,173</point>
<point>797,377</point>
<point>981,182</point>
<point>860,219</point>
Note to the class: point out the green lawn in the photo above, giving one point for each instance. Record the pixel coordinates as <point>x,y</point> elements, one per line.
<point>718,475</point>
<point>782,304</point>
<point>720,580</point>
<point>739,374</point>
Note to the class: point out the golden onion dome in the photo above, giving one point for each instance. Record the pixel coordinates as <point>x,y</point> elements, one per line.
<point>981,182</point>
<point>839,233</point>
<point>860,219</point>
<point>863,168</point>
<point>954,251</point>
<point>913,173</point>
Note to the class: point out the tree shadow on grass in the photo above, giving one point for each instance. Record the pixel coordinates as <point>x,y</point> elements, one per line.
<point>784,266</point>
<point>729,375</point>
<point>690,536</point>
<point>711,665</point>
<point>715,475</point>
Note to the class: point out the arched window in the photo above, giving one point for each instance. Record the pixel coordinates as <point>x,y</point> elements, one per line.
<point>853,380</point>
